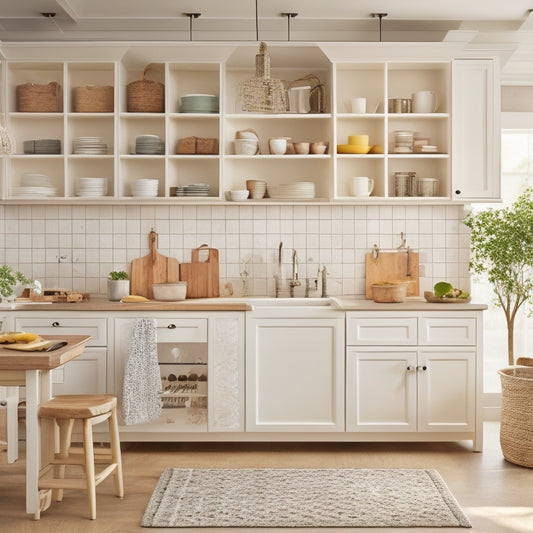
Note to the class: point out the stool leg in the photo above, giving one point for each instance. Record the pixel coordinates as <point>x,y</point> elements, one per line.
<point>115,453</point>
<point>89,466</point>
<point>65,436</point>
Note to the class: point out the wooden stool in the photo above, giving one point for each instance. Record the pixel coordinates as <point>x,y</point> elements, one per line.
<point>91,409</point>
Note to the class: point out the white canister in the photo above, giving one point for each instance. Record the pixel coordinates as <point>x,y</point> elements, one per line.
<point>424,102</point>
<point>358,105</point>
<point>278,145</point>
<point>362,186</point>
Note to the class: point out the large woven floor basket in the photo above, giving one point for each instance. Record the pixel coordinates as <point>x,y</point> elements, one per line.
<point>516,428</point>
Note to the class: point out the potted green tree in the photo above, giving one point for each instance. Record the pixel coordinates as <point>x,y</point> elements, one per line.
<point>118,285</point>
<point>502,250</point>
<point>501,242</point>
<point>9,281</point>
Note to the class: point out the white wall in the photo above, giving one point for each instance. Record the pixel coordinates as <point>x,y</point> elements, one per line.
<point>75,247</point>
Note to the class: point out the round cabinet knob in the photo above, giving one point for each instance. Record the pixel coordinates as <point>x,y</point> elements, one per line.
<point>55,324</point>
<point>457,191</point>
<point>422,367</point>
<point>410,368</point>
<point>171,326</point>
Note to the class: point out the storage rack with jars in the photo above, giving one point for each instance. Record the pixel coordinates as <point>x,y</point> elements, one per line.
<point>221,71</point>
<point>386,87</point>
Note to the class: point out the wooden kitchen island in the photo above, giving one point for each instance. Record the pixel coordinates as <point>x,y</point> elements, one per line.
<point>32,370</point>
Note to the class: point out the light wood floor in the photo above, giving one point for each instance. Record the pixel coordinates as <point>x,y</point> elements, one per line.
<point>497,496</point>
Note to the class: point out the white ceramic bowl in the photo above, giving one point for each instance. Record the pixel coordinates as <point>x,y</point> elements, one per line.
<point>170,292</point>
<point>246,146</point>
<point>238,196</point>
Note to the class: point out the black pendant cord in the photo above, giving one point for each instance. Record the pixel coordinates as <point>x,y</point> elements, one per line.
<point>289,17</point>
<point>380,15</point>
<point>191,17</point>
<point>256,21</point>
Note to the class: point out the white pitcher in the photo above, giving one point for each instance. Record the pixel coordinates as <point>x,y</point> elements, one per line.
<point>424,102</point>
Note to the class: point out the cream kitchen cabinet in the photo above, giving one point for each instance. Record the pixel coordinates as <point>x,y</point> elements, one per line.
<point>415,374</point>
<point>87,374</point>
<point>208,345</point>
<point>294,371</point>
<point>464,126</point>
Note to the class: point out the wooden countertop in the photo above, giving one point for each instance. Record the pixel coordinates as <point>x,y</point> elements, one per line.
<point>103,304</point>
<point>415,303</point>
<point>14,360</point>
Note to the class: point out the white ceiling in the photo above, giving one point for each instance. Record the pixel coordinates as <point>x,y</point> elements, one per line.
<point>481,23</point>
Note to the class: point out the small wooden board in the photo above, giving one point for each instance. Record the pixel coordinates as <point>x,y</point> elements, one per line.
<point>392,266</point>
<point>202,277</point>
<point>152,268</point>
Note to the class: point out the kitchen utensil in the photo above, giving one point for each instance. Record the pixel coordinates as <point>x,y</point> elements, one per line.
<point>358,105</point>
<point>239,196</point>
<point>278,145</point>
<point>201,274</point>
<point>393,265</point>
<point>152,268</point>
<point>56,346</point>
<point>362,186</point>
<point>361,140</point>
<point>170,292</point>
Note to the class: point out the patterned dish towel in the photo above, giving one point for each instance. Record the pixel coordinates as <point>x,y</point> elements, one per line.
<point>142,381</point>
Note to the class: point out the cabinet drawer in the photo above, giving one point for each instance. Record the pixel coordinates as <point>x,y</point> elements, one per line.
<point>95,327</point>
<point>381,331</point>
<point>459,331</point>
<point>182,330</point>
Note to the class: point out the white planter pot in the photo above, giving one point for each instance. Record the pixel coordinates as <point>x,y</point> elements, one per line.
<point>117,289</point>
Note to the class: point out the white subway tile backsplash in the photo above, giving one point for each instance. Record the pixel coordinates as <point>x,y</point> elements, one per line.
<point>75,247</point>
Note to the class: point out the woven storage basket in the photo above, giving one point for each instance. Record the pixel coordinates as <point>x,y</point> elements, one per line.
<point>93,99</point>
<point>33,98</point>
<point>262,93</point>
<point>146,96</point>
<point>197,145</point>
<point>516,427</point>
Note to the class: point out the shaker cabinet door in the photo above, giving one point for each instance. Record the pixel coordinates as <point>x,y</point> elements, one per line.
<point>475,131</point>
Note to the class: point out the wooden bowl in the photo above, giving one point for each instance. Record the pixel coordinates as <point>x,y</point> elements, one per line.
<point>389,292</point>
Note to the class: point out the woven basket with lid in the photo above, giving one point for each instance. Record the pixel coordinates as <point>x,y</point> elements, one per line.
<point>262,93</point>
<point>516,426</point>
<point>146,96</point>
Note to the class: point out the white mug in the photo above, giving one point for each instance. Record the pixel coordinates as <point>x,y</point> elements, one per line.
<point>362,186</point>
<point>278,146</point>
<point>424,102</point>
<point>359,105</point>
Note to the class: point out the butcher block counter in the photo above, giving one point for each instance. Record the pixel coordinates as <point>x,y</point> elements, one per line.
<point>103,304</point>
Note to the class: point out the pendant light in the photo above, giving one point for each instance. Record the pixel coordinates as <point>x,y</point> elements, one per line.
<point>289,17</point>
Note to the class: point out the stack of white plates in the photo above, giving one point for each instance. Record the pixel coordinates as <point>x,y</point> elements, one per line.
<point>91,186</point>
<point>301,190</point>
<point>149,145</point>
<point>199,103</point>
<point>33,185</point>
<point>89,146</point>
<point>31,192</point>
<point>195,189</point>
<point>42,146</point>
<point>146,188</point>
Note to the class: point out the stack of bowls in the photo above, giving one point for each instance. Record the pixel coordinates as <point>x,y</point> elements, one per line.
<point>146,188</point>
<point>357,144</point>
<point>149,145</point>
<point>257,188</point>
<point>199,103</point>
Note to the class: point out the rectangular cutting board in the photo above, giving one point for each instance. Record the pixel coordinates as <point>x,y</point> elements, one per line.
<point>392,266</point>
<point>201,274</point>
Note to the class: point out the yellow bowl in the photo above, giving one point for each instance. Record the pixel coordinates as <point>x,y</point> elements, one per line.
<point>358,139</point>
<point>352,149</point>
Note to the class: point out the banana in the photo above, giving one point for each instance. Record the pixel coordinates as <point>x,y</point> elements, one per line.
<point>130,298</point>
<point>18,338</point>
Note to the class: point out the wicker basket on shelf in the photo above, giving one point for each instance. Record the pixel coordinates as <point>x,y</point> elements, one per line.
<point>197,145</point>
<point>516,426</point>
<point>34,98</point>
<point>146,96</point>
<point>262,94</point>
<point>93,99</point>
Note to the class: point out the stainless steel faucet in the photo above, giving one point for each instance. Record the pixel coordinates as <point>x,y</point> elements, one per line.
<point>277,277</point>
<point>294,281</point>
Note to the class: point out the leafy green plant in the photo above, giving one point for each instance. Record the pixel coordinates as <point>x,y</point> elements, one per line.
<point>9,279</point>
<point>502,251</point>
<point>118,274</point>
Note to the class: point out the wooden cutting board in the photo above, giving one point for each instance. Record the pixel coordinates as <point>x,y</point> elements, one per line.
<point>152,268</point>
<point>392,266</point>
<point>201,274</point>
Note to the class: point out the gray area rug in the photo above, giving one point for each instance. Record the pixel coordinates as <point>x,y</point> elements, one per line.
<point>302,498</point>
